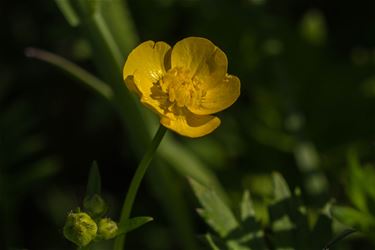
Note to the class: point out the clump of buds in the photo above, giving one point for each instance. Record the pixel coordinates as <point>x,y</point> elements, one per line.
<point>83,227</point>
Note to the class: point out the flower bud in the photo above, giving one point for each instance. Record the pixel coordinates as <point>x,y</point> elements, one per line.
<point>80,228</point>
<point>95,205</point>
<point>107,229</point>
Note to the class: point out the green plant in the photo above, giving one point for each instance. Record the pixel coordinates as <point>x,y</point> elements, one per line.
<point>289,225</point>
<point>360,190</point>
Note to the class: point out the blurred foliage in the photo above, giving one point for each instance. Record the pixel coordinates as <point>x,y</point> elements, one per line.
<point>308,97</point>
<point>288,227</point>
<point>361,193</point>
<point>26,164</point>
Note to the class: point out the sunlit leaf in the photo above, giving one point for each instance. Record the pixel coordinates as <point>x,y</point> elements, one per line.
<point>354,218</point>
<point>215,243</point>
<point>281,189</point>
<point>288,223</point>
<point>215,212</point>
<point>322,230</point>
<point>247,209</point>
<point>356,176</point>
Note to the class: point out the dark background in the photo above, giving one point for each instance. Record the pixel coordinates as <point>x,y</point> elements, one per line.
<point>313,85</point>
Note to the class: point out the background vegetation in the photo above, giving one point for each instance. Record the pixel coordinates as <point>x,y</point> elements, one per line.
<point>307,111</point>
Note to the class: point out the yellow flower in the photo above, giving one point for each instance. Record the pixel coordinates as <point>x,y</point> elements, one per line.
<point>184,85</point>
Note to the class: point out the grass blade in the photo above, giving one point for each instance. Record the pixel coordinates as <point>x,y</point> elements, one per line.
<point>340,237</point>
<point>72,69</point>
<point>68,12</point>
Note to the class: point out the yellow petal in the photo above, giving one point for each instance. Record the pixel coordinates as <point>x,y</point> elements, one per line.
<point>145,65</point>
<point>188,124</point>
<point>218,97</point>
<point>201,57</point>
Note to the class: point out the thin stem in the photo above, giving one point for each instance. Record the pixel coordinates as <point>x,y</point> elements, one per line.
<point>341,236</point>
<point>135,183</point>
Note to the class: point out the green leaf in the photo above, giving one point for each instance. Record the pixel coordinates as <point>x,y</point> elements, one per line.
<point>356,182</point>
<point>287,217</point>
<point>322,230</point>
<point>249,235</point>
<point>215,212</point>
<point>215,243</point>
<point>236,245</point>
<point>94,180</point>
<point>280,187</point>
<point>288,221</point>
<point>314,181</point>
<point>361,190</point>
<point>94,6</point>
<point>233,236</point>
<point>68,11</point>
<point>118,18</point>
<point>247,210</point>
<point>252,234</point>
<point>279,210</point>
<point>134,223</point>
<point>354,218</point>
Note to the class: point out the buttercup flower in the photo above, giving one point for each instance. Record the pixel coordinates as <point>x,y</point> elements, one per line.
<point>184,85</point>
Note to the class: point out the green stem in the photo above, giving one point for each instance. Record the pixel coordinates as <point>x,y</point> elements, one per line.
<point>341,236</point>
<point>136,181</point>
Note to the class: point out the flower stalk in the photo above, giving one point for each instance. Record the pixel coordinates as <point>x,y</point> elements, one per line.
<point>135,183</point>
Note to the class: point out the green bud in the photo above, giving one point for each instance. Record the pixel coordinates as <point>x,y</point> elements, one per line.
<point>107,229</point>
<point>95,205</point>
<point>80,228</point>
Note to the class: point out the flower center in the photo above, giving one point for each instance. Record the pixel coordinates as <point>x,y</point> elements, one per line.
<point>181,88</point>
